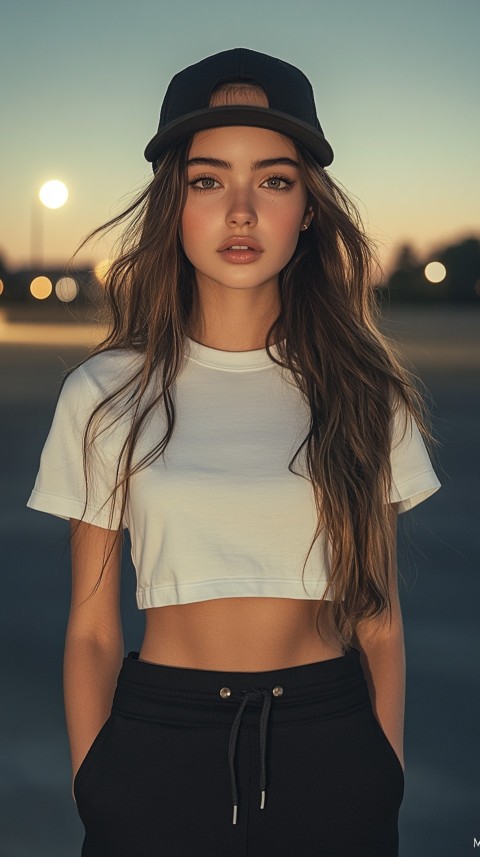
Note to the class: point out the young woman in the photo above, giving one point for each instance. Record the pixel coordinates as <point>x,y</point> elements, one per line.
<point>257,435</point>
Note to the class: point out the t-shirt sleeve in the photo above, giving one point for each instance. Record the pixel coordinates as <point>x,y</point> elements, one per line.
<point>413,477</point>
<point>59,487</point>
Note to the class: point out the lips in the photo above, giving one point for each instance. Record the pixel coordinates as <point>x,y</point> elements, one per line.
<point>238,241</point>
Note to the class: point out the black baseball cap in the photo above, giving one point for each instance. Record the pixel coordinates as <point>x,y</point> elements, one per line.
<point>291,102</point>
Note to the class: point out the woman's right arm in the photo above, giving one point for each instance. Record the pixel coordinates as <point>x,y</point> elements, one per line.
<point>94,649</point>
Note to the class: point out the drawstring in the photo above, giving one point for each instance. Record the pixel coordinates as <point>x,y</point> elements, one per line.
<point>247,696</point>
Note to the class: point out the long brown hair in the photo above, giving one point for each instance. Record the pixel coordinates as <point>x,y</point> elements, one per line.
<point>328,337</point>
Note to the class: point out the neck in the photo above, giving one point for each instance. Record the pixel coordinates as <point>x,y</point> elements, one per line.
<point>235,319</point>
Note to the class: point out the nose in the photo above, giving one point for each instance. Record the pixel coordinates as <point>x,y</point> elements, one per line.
<point>241,210</point>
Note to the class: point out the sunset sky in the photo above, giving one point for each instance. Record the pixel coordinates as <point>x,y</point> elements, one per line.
<point>396,87</point>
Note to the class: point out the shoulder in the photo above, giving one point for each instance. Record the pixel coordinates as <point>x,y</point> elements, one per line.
<point>103,373</point>
<point>85,391</point>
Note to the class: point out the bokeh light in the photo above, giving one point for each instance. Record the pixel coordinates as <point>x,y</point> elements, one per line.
<point>101,270</point>
<point>41,288</point>
<point>435,272</point>
<point>66,289</point>
<point>53,194</point>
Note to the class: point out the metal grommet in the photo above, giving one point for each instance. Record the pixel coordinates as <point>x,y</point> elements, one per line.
<point>277,690</point>
<point>225,692</point>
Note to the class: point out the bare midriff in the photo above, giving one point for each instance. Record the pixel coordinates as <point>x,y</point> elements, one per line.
<point>240,634</point>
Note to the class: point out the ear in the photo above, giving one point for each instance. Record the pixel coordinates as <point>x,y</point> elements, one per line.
<point>307,218</point>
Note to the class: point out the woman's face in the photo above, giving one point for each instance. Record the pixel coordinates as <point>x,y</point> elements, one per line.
<point>238,195</point>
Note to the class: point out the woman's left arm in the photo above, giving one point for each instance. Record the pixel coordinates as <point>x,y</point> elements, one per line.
<point>382,655</point>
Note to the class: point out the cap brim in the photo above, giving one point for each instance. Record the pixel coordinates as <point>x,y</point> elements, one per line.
<point>260,117</point>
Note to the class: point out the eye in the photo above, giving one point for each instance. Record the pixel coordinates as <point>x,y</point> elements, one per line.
<point>194,184</point>
<point>288,183</point>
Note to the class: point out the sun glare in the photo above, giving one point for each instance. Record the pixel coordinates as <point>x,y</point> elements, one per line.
<point>53,194</point>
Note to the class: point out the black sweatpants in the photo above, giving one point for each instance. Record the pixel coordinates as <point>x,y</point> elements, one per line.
<point>204,763</point>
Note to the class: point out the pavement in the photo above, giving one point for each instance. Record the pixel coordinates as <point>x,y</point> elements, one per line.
<point>439,562</point>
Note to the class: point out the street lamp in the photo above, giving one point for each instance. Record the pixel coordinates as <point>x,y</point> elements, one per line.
<point>52,194</point>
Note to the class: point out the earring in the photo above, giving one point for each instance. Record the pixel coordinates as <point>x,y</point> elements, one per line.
<point>304,225</point>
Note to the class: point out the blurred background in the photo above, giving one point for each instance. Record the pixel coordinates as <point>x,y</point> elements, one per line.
<point>396,87</point>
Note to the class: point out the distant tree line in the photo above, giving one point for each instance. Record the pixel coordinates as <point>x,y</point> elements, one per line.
<point>408,283</point>
<point>16,284</point>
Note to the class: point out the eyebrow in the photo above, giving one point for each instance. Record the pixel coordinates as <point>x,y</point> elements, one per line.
<point>255,165</point>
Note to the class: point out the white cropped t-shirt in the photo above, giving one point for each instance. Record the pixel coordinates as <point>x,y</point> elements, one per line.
<point>218,515</point>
